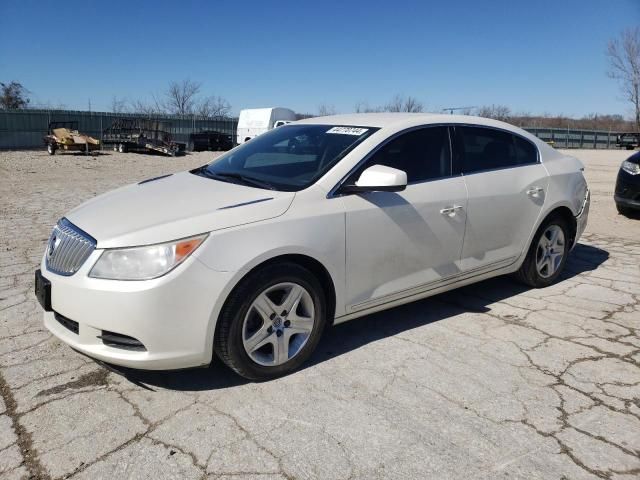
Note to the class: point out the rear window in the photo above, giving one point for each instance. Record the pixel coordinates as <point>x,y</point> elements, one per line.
<point>481,148</point>
<point>525,151</point>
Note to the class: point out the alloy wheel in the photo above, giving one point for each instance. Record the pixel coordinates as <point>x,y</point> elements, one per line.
<point>550,251</point>
<point>278,324</point>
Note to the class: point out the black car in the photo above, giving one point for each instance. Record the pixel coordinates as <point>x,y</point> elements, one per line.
<point>211,140</point>
<point>628,140</point>
<point>627,195</point>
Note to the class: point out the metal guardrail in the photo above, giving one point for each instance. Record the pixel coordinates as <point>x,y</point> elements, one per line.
<point>25,128</point>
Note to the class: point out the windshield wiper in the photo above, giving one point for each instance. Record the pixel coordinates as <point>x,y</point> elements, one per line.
<point>235,176</point>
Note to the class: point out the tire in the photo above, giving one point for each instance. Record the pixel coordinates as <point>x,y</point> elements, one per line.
<point>122,148</point>
<point>529,273</point>
<point>51,149</point>
<point>240,322</point>
<point>115,147</point>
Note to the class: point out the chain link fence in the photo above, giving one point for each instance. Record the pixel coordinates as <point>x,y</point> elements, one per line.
<point>25,128</point>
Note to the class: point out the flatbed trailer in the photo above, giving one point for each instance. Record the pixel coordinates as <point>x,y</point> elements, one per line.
<point>65,136</point>
<point>140,135</point>
<point>211,140</point>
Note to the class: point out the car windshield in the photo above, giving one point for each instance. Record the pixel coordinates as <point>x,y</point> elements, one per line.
<point>289,158</point>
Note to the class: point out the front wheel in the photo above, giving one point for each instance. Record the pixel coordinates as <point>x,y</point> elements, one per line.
<point>547,254</point>
<point>271,322</point>
<point>51,150</point>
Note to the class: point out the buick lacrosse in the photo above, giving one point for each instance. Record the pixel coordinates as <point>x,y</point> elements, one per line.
<point>311,224</point>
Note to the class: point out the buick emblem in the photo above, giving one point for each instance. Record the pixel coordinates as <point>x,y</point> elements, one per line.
<point>54,241</point>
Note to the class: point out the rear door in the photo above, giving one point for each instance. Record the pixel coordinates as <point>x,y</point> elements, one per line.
<point>399,241</point>
<point>506,184</point>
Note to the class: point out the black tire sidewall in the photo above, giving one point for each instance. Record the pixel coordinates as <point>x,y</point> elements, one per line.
<point>531,272</point>
<point>236,309</point>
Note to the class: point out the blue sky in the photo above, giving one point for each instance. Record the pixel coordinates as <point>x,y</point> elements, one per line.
<point>536,56</point>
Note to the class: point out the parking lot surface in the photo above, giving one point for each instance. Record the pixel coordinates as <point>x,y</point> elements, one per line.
<point>490,381</point>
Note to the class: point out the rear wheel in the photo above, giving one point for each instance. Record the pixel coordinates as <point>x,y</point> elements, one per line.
<point>547,254</point>
<point>122,148</point>
<point>271,322</point>
<point>51,150</point>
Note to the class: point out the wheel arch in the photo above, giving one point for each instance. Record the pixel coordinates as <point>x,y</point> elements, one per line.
<point>316,268</point>
<point>306,261</point>
<point>566,213</point>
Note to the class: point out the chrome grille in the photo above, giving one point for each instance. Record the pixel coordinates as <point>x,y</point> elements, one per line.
<point>68,248</point>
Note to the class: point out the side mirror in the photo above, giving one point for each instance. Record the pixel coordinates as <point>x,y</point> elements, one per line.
<point>378,178</point>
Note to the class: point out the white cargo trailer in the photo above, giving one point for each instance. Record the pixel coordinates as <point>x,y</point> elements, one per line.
<point>254,121</point>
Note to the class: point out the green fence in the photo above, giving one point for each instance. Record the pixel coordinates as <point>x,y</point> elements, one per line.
<point>568,138</point>
<point>25,128</point>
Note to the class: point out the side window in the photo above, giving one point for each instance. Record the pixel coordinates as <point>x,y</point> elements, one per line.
<point>485,149</point>
<point>525,151</point>
<point>423,154</point>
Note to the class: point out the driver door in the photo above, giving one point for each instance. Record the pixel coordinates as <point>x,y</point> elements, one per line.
<point>398,243</point>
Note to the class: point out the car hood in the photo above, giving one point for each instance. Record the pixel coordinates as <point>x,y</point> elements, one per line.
<point>174,206</point>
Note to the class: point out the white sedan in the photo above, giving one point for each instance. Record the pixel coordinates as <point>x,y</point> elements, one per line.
<point>311,224</point>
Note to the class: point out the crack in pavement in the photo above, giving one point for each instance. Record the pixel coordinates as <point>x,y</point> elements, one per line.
<point>25,442</point>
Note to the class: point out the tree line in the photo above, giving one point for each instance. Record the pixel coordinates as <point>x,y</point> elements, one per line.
<point>184,97</point>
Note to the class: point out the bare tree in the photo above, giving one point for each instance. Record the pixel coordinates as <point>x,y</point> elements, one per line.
<point>395,105</point>
<point>497,112</point>
<point>147,108</point>
<point>325,110</point>
<point>118,105</point>
<point>363,107</point>
<point>624,66</point>
<point>13,95</point>
<point>399,103</point>
<point>213,106</point>
<point>181,97</point>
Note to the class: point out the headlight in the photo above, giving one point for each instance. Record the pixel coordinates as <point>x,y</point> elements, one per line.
<point>144,263</point>
<point>630,167</point>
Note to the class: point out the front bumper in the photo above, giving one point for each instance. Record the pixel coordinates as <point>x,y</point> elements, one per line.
<point>173,316</point>
<point>627,193</point>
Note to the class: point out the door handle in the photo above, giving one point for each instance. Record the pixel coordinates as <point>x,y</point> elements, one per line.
<point>451,211</point>
<point>535,191</point>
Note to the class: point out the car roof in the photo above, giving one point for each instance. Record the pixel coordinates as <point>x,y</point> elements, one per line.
<point>393,122</point>
<point>402,119</point>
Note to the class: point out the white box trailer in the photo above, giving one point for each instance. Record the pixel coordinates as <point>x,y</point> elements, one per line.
<point>254,121</point>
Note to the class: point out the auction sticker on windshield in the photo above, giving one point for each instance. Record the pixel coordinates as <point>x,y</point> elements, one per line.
<point>348,130</point>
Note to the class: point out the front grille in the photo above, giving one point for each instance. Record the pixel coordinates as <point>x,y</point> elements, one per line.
<point>117,340</point>
<point>68,248</point>
<point>67,323</point>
